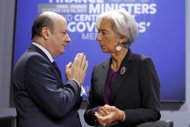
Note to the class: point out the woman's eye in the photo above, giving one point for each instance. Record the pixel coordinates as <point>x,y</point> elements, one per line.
<point>103,33</point>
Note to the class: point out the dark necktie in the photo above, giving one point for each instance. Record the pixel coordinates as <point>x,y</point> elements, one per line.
<point>56,68</point>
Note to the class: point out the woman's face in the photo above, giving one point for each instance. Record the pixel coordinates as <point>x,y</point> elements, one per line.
<point>107,38</point>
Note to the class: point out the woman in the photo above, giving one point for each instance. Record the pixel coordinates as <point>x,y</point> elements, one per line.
<point>125,89</point>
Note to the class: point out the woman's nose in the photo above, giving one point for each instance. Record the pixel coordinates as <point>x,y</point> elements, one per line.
<point>98,37</point>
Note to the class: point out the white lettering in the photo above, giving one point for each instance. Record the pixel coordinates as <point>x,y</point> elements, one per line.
<point>81,26</point>
<point>88,36</point>
<point>153,9</point>
<point>130,7</point>
<point>142,26</point>
<point>76,1</point>
<point>83,17</point>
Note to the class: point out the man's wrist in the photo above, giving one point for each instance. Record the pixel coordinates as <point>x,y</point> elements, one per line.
<point>76,82</point>
<point>82,88</point>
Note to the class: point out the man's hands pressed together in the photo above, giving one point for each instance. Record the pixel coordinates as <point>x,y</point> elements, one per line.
<point>77,69</point>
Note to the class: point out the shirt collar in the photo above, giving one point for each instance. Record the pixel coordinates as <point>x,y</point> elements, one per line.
<point>44,50</point>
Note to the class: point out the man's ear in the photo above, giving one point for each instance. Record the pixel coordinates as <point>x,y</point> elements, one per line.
<point>45,33</point>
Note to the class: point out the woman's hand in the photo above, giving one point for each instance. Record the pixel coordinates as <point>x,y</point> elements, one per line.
<point>108,114</point>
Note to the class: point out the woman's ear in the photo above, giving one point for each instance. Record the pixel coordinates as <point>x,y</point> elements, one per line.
<point>123,38</point>
<point>45,33</point>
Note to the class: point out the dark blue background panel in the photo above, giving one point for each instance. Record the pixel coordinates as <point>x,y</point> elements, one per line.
<point>161,36</point>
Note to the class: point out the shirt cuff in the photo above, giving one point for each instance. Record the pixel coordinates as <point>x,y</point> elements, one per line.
<point>77,82</point>
<point>124,118</point>
<point>82,92</point>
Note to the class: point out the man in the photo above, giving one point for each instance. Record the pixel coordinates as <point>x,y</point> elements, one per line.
<point>41,98</point>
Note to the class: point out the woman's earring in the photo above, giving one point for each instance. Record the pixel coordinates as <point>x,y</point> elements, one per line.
<point>118,48</point>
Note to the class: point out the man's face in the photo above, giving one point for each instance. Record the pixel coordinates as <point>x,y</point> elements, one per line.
<point>58,38</point>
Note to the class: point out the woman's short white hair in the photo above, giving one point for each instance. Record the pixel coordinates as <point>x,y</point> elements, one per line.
<point>123,23</point>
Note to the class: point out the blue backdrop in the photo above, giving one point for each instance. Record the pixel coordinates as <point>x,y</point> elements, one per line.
<point>161,35</point>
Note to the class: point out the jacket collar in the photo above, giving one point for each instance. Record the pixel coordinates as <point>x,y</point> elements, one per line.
<point>129,57</point>
<point>119,76</point>
<point>35,48</point>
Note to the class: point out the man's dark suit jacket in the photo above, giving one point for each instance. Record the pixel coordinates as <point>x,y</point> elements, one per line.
<point>41,98</point>
<point>137,91</point>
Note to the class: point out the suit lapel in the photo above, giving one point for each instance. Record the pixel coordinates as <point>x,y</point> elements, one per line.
<point>120,76</point>
<point>57,72</point>
<point>103,77</point>
<point>36,49</point>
